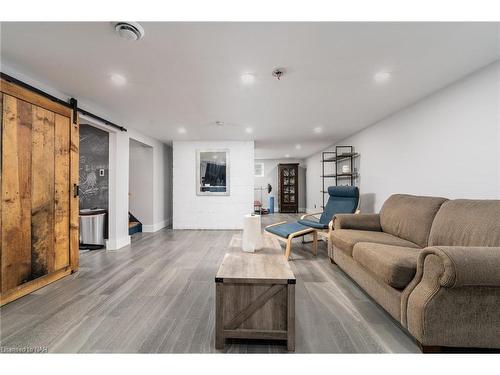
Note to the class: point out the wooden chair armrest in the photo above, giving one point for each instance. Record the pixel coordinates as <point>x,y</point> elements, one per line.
<point>307,215</point>
<point>272,225</point>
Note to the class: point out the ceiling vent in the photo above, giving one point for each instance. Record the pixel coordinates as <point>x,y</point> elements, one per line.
<point>129,30</point>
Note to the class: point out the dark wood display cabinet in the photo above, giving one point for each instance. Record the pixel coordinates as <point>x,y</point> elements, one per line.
<point>288,187</point>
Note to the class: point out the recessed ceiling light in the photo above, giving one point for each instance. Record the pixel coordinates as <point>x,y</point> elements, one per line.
<point>382,76</point>
<point>318,129</point>
<point>249,130</point>
<point>118,79</point>
<point>247,78</point>
<point>181,130</point>
<point>287,155</point>
<point>298,147</point>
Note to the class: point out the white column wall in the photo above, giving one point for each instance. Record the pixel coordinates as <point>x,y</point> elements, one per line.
<point>118,191</point>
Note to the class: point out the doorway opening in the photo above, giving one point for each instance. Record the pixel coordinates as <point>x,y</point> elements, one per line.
<point>93,187</point>
<point>140,187</point>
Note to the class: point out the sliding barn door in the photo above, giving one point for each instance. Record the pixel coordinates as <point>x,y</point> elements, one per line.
<point>39,209</point>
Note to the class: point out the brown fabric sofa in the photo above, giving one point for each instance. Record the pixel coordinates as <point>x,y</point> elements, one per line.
<point>432,263</point>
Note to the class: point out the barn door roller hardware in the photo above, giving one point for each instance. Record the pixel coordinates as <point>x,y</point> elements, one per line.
<point>74,106</point>
<point>72,103</point>
<point>86,113</point>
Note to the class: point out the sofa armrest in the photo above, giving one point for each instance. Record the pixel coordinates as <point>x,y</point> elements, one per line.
<point>454,299</point>
<point>357,221</point>
<point>466,266</point>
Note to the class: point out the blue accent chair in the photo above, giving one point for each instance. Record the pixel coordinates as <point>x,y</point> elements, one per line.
<point>342,200</point>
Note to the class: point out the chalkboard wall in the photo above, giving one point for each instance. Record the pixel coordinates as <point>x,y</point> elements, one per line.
<point>94,159</point>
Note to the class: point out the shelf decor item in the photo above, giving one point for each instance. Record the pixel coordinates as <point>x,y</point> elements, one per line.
<point>212,172</point>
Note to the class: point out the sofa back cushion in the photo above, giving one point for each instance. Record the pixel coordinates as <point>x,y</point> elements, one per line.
<point>410,217</point>
<point>466,222</point>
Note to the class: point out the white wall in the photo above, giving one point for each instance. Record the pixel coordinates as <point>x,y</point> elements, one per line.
<point>140,183</point>
<point>168,176</point>
<point>271,177</point>
<point>447,144</point>
<point>191,211</point>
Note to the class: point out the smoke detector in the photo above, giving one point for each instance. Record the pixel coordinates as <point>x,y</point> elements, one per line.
<point>278,73</point>
<point>129,30</point>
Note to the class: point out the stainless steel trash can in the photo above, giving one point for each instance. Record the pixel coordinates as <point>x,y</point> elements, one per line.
<point>92,225</point>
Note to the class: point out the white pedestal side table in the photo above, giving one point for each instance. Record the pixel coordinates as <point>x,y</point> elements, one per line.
<point>252,235</point>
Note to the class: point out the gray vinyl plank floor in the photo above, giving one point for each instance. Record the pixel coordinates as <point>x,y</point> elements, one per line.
<point>157,296</point>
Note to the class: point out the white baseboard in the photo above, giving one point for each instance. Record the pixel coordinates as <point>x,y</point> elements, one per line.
<point>313,210</point>
<point>156,227</point>
<point>206,228</point>
<point>148,228</point>
<point>170,221</point>
<point>301,209</point>
<point>115,244</point>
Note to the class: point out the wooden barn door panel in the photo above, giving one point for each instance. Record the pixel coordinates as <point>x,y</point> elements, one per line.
<point>1,196</point>
<point>11,204</point>
<point>24,127</point>
<point>74,205</point>
<point>62,192</point>
<point>38,211</point>
<point>16,194</point>
<point>42,189</point>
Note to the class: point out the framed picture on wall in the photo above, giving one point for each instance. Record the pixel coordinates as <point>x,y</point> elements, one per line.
<point>258,170</point>
<point>212,172</point>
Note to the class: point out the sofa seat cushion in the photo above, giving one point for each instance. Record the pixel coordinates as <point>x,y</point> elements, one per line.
<point>394,265</point>
<point>345,239</point>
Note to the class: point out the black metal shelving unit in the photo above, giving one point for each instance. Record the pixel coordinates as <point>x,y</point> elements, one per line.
<point>341,155</point>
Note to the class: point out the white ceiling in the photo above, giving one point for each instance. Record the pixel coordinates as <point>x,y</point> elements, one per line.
<point>188,74</point>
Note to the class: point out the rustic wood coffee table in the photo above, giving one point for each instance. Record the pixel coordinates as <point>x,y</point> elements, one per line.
<point>255,298</point>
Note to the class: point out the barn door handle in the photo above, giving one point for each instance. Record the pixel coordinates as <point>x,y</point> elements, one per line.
<point>76,190</point>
